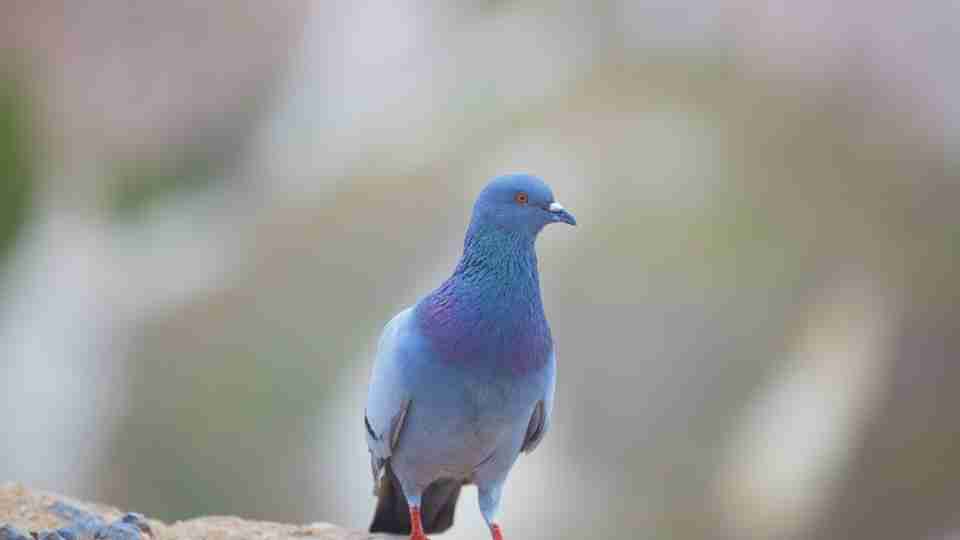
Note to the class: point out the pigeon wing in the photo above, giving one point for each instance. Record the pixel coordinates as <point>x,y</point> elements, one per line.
<point>388,399</point>
<point>543,411</point>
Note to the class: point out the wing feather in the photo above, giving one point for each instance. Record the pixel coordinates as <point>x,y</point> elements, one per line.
<point>542,412</point>
<point>387,401</point>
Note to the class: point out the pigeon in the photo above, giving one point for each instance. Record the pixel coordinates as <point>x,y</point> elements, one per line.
<point>463,380</point>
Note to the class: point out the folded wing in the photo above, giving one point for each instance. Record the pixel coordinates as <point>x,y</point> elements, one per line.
<point>388,400</point>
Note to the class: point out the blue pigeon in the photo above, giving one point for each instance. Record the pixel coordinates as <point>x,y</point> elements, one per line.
<point>463,380</point>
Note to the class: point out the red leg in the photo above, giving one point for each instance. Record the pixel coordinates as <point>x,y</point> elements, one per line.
<point>496,532</point>
<point>416,524</point>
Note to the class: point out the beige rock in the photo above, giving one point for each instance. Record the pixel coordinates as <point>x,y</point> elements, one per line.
<point>30,511</point>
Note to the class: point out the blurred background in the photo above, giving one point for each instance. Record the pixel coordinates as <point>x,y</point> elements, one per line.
<point>208,210</point>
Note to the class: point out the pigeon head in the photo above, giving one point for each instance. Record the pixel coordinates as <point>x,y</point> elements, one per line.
<point>520,204</point>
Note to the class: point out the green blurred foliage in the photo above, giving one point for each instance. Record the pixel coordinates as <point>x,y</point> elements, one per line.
<point>18,151</point>
<point>140,184</point>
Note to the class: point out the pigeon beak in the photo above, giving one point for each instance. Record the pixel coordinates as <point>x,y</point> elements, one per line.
<point>560,214</point>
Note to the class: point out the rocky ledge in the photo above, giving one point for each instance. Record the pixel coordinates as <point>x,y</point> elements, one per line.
<point>32,515</point>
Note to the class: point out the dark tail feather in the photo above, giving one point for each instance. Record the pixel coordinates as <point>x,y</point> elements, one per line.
<point>437,506</point>
<point>392,515</point>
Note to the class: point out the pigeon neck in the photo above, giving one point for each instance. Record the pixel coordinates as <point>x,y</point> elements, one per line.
<point>493,252</point>
<point>489,310</point>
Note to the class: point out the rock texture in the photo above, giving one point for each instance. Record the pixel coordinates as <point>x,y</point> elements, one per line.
<point>36,512</point>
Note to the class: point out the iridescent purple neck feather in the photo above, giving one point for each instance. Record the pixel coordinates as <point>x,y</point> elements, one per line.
<point>489,313</point>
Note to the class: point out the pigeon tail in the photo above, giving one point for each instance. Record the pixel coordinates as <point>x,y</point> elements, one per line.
<point>437,506</point>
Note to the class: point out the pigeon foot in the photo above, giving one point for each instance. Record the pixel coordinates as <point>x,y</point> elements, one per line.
<point>496,532</point>
<point>416,525</point>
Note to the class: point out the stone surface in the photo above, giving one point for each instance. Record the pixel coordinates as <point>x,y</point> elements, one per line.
<point>44,513</point>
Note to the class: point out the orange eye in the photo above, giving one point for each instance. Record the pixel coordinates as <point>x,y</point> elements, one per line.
<point>521,198</point>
